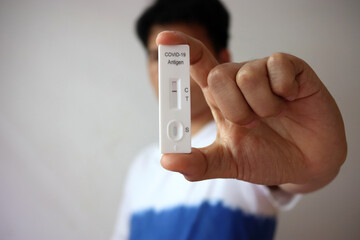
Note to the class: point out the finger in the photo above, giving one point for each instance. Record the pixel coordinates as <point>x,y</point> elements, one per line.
<point>201,163</point>
<point>252,79</point>
<point>282,74</point>
<point>227,95</point>
<point>201,59</point>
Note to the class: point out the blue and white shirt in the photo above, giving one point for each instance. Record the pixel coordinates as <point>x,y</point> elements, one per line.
<point>159,204</point>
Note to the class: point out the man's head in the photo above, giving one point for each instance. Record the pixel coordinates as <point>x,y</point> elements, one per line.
<point>210,14</point>
<point>205,20</point>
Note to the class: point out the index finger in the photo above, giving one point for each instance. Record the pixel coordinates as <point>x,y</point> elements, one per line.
<point>201,59</point>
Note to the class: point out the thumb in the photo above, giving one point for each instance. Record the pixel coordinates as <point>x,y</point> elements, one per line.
<point>202,163</point>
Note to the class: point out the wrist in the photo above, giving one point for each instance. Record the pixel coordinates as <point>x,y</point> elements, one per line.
<point>314,184</point>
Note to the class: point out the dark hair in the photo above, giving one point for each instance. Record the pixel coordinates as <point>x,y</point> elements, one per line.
<point>211,14</point>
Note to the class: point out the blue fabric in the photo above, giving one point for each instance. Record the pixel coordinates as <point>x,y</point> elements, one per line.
<point>207,221</point>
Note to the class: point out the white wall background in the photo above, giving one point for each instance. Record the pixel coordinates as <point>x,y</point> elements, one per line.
<point>76,106</point>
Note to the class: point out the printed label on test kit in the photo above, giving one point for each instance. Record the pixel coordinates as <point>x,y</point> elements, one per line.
<point>174,99</point>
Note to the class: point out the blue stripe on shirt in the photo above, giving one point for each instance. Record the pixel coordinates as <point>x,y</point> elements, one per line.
<point>207,221</point>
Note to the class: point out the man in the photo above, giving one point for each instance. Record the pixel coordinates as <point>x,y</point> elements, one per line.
<point>272,128</point>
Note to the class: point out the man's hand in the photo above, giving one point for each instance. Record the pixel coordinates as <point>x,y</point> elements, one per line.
<point>277,123</point>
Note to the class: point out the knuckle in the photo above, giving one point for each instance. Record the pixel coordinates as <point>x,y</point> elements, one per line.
<point>280,69</point>
<point>217,77</point>
<point>277,58</point>
<point>246,77</point>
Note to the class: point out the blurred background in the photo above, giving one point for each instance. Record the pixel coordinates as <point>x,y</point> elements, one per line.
<point>76,107</point>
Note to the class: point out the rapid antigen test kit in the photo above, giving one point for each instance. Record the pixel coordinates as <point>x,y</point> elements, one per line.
<point>174,99</point>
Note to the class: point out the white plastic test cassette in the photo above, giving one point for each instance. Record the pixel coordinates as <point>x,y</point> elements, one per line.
<point>174,99</point>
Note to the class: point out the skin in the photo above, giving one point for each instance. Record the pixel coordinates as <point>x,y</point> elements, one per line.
<point>277,123</point>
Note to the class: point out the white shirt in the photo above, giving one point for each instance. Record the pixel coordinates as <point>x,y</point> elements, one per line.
<point>158,204</point>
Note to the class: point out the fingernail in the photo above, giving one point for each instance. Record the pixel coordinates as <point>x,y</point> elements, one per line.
<point>253,124</point>
<point>291,98</point>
